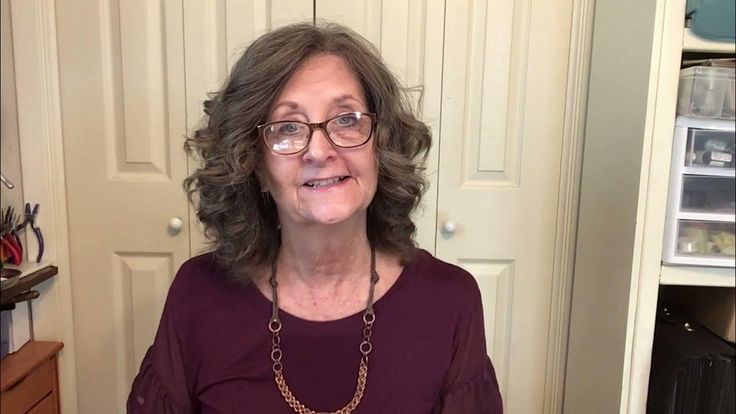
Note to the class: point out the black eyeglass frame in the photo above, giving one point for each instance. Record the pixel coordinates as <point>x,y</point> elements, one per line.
<point>313,126</point>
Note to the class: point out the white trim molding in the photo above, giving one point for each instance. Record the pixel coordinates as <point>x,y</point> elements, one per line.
<point>567,209</point>
<point>656,157</point>
<point>42,158</point>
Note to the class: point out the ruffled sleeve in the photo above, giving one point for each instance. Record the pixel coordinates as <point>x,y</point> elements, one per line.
<point>479,395</point>
<point>470,385</point>
<point>160,386</point>
<point>150,394</point>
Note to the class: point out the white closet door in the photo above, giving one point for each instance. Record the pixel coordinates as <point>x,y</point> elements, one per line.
<point>495,101</point>
<point>133,75</point>
<point>409,35</point>
<point>122,102</point>
<point>503,101</point>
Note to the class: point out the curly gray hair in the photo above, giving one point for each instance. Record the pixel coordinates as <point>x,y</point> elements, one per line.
<point>240,224</point>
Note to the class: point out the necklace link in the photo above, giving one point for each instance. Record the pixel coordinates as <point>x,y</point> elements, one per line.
<point>274,325</point>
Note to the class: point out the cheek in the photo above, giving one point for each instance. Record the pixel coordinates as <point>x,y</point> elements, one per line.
<point>376,166</point>
<point>265,175</point>
<point>276,173</point>
<point>372,175</point>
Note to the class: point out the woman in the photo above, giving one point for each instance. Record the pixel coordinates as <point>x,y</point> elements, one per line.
<point>314,298</point>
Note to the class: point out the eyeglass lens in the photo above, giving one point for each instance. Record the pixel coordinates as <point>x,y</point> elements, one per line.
<point>346,131</point>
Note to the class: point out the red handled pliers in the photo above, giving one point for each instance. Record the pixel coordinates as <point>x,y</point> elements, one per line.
<point>11,249</point>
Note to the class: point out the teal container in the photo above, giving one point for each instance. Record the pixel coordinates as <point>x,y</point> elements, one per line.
<point>713,19</point>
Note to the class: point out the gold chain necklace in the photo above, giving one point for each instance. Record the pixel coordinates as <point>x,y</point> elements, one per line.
<point>274,325</point>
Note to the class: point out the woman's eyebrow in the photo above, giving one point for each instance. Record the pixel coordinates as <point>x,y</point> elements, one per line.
<point>346,97</point>
<point>288,104</point>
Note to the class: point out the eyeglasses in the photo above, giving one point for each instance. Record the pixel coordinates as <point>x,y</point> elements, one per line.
<point>348,130</point>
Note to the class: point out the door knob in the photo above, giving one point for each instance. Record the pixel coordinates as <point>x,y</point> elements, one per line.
<point>449,227</point>
<point>175,225</point>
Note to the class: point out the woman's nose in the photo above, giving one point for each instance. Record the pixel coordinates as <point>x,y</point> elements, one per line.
<point>320,147</point>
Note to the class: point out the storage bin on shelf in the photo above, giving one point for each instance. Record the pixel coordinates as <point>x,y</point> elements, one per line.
<point>700,224</point>
<point>707,92</point>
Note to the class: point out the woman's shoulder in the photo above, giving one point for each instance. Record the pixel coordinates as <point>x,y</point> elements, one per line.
<point>199,272</point>
<point>202,280</point>
<point>442,277</point>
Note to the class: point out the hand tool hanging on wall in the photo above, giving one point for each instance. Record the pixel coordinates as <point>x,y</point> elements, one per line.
<point>30,219</point>
<point>12,248</point>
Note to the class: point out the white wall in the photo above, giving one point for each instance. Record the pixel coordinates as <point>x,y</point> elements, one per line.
<point>10,160</point>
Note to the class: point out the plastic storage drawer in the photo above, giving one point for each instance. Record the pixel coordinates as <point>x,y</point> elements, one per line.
<point>700,225</point>
<point>707,92</point>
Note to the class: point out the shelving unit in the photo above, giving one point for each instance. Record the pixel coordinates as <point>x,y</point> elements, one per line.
<point>701,275</point>
<point>698,260</point>
<point>697,276</point>
<point>700,207</point>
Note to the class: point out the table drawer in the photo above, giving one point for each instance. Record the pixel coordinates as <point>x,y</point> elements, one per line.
<point>24,394</point>
<point>46,406</point>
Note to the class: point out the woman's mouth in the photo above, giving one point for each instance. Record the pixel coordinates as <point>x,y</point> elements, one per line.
<point>325,182</point>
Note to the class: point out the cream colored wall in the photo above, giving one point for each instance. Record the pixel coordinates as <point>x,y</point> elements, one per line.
<point>614,143</point>
<point>10,145</point>
<point>36,155</point>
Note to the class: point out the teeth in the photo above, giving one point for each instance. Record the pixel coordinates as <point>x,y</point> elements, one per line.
<point>322,183</point>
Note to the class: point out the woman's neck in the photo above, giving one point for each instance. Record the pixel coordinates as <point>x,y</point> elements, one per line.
<point>323,272</point>
<point>320,257</point>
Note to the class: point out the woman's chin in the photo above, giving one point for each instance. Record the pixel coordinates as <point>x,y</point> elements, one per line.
<point>332,217</point>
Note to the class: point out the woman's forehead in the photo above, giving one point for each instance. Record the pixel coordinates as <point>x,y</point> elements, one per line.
<point>343,99</point>
<point>326,76</point>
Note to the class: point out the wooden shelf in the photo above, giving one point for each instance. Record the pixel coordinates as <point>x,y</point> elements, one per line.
<point>32,274</point>
<point>697,276</point>
<point>693,43</point>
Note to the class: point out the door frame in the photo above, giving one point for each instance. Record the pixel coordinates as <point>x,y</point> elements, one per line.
<point>39,123</point>
<point>581,39</point>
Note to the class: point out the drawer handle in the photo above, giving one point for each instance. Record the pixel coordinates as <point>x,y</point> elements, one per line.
<point>16,383</point>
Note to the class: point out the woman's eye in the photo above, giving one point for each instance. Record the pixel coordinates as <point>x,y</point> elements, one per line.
<point>288,128</point>
<point>347,120</point>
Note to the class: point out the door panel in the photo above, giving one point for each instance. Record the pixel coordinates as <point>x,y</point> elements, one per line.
<point>122,97</point>
<point>503,100</point>
<point>126,109</point>
<point>496,113</point>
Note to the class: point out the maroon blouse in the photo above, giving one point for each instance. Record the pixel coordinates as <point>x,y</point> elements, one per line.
<point>212,350</point>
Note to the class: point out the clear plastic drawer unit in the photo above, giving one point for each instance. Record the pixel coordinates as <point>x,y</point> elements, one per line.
<point>701,206</point>
<point>707,92</point>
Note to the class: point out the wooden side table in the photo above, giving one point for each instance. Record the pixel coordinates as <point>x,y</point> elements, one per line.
<point>29,381</point>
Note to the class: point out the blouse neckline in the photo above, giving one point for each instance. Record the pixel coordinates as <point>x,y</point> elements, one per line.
<point>406,273</point>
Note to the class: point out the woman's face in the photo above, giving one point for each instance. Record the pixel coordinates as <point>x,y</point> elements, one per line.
<point>323,87</point>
